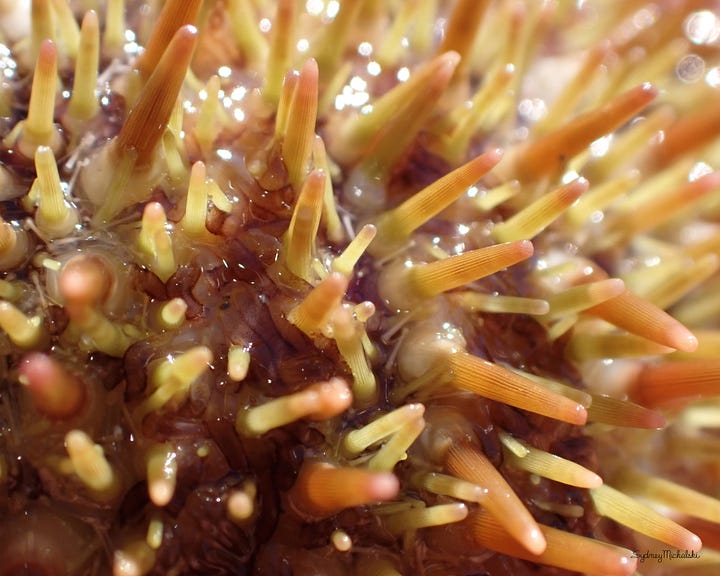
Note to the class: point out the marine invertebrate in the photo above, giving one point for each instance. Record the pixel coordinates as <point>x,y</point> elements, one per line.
<point>346,288</point>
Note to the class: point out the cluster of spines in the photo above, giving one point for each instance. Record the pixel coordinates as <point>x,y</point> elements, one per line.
<point>411,276</point>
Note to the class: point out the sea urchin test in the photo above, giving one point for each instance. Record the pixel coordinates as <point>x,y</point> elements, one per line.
<point>359,287</point>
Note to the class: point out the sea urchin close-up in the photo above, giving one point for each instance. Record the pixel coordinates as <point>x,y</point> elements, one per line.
<point>363,287</point>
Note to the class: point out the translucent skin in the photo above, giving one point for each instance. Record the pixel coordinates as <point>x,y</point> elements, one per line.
<point>183,368</point>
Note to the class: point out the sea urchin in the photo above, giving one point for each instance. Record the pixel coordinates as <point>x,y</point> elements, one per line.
<point>368,287</point>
